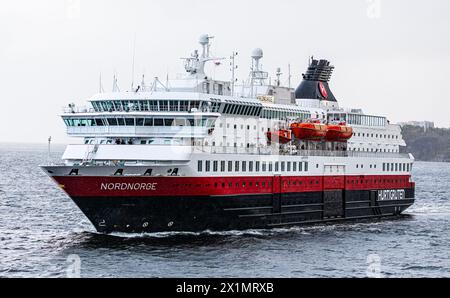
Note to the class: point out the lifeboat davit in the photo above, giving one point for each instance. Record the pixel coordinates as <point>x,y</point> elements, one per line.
<point>312,130</point>
<point>340,132</point>
<point>282,136</point>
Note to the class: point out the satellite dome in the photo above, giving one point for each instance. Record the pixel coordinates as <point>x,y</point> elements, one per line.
<point>204,39</point>
<point>257,53</point>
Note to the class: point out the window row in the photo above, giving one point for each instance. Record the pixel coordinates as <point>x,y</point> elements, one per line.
<point>241,109</point>
<point>358,119</point>
<point>251,166</point>
<point>397,167</point>
<point>280,114</point>
<point>150,105</point>
<point>119,121</point>
<point>381,136</point>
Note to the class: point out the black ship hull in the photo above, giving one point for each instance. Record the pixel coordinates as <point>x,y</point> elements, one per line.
<point>237,212</point>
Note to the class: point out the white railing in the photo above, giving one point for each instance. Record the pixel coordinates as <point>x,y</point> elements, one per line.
<point>275,151</point>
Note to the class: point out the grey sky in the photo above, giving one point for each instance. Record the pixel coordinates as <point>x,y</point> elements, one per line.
<point>393,61</point>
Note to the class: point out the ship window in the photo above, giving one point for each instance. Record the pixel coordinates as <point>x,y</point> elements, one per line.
<point>300,166</point>
<point>200,166</point>
<point>121,121</point>
<point>112,121</point>
<point>236,166</point>
<point>129,121</point>
<point>159,122</point>
<point>222,166</point>
<point>99,122</point>
<point>257,165</point>
<point>270,166</point>
<point>148,122</point>
<point>283,166</point>
<point>264,166</point>
<point>244,166</point>
<point>230,166</point>
<point>140,122</point>
<point>250,166</point>
<point>174,106</point>
<point>215,165</point>
<point>288,166</point>
<point>294,166</point>
<point>163,105</point>
<point>208,166</point>
<point>168,122</point>
<point>306,166</point>
<point>276,166</point>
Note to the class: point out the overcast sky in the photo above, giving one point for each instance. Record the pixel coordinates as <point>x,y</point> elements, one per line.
<point>391,57</point>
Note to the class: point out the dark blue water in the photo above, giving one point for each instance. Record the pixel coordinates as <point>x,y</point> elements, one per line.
<point>42,231</point>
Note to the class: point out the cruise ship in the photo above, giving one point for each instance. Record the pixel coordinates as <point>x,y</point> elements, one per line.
<point>197,154</point>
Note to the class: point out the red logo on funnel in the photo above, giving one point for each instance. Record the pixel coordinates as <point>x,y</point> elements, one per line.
<point>323,90</point>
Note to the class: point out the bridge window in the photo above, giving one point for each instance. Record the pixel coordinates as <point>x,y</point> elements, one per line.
<point>140,122</point>
<point>129,121</point>
<point>112,121</point>
<point>174,106</point>
<point>148,122</point>
<point>164,105</point>
<point>159,122</point>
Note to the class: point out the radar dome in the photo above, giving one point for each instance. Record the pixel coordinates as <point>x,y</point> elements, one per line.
<point>204,39</point>
<point>257,53</point>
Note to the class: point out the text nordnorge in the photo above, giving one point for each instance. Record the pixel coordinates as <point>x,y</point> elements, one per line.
<point>129,186</point>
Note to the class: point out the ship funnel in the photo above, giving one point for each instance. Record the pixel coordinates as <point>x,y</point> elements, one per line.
<point>315,81</point>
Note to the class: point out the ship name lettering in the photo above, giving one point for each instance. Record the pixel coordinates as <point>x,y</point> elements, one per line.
<point>391,195</point>
<point>129,186</point>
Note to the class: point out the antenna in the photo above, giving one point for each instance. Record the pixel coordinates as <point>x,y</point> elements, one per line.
<point>132,67</point>
<point>289,76</point>
<point>115,85</point>
<point>278,74</point>
<point>101,90</point>
<point>49,151</point>
<point>233,71</point>
<point>143,82</point>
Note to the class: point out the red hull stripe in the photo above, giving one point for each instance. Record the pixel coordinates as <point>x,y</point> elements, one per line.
<point>110,186</point>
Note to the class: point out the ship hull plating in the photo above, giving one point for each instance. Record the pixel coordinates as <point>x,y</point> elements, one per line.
<point>237,212</point>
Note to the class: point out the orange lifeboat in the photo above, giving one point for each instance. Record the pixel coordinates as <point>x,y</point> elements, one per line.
<point>312,130</point>
<point>340,132</point>
<point>282,136</point>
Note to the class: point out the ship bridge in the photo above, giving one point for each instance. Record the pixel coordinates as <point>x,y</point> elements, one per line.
<point>143,114</point>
